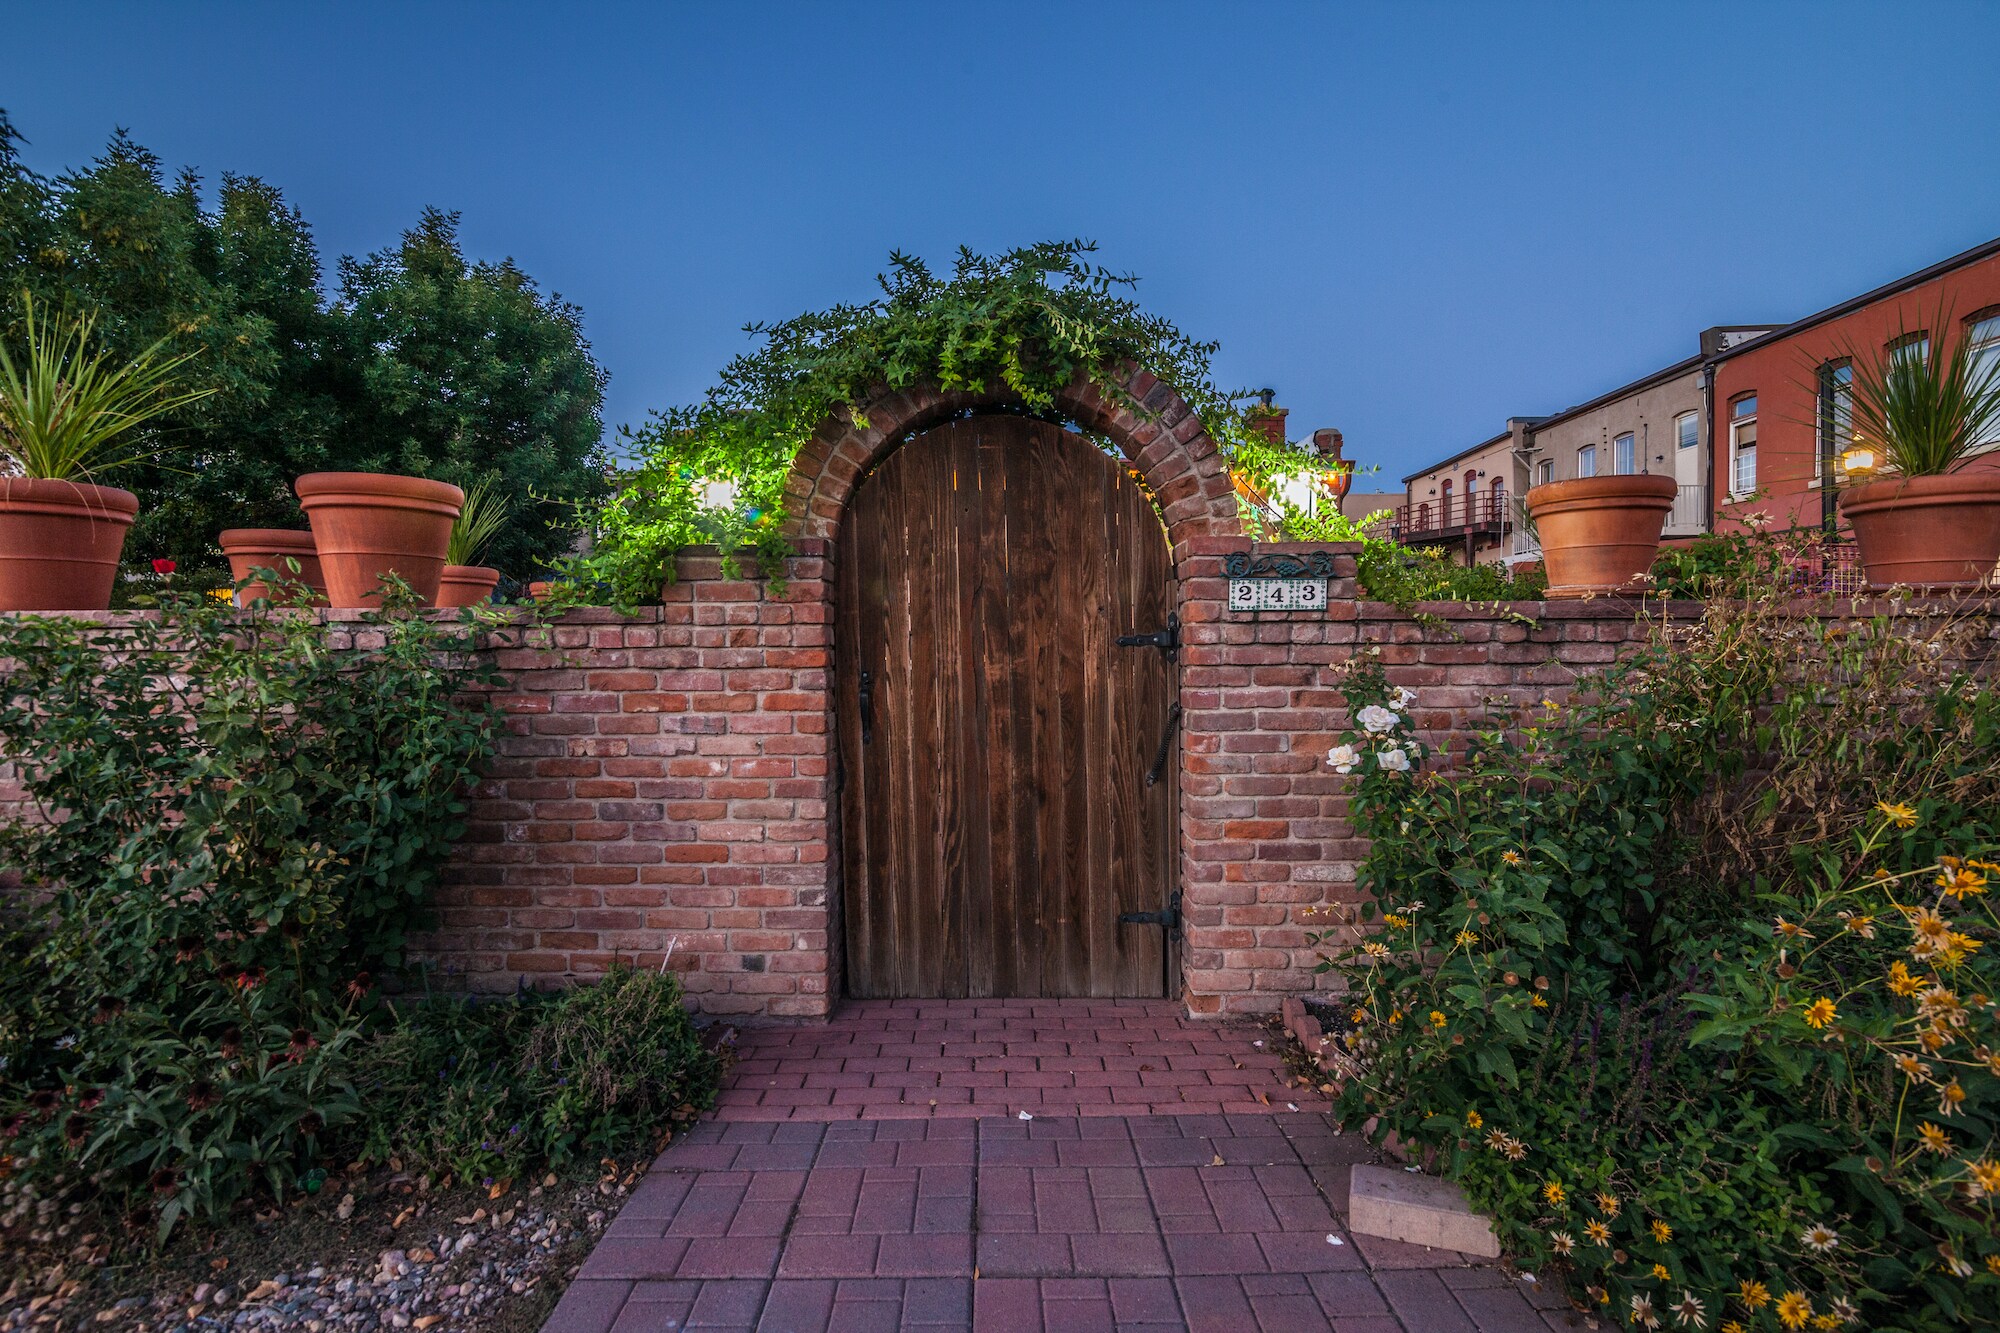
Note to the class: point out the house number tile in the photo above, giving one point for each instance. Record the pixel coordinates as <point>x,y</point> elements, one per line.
<point>1277,594</point>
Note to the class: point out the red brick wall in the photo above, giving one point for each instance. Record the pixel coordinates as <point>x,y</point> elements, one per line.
<point>662,789</point>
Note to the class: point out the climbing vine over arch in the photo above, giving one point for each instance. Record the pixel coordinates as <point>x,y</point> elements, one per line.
<point>1028,322</point>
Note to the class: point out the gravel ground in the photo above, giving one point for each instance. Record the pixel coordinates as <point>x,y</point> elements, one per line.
<point>370,1251</point>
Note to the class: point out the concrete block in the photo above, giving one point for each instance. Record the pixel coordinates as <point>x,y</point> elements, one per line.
<point>1417,1209</point>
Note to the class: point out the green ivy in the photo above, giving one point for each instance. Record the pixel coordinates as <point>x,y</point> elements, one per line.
<point>1028,322</point>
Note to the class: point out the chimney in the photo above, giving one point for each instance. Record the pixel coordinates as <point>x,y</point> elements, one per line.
<point>1328,444</point>
<point>1267,420</point>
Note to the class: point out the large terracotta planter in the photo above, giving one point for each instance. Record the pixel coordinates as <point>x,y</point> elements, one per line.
<point>1927,532</point>
<point>367,524</point>
<point>1599,534</point>
<point>271,548</point>
<point>60,542</point>
<point>467,585</point>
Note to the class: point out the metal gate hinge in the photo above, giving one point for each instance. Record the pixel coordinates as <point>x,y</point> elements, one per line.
<point>1167,640</point>
<point>1169,916</point>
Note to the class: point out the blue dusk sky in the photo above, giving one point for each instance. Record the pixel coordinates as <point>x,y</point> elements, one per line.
<point>1411,220</point>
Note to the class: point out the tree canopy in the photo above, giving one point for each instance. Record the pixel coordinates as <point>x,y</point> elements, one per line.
<point>420,360</point>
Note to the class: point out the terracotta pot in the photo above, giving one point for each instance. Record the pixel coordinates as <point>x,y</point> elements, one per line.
<point>467,585</point>
<point>540,589</point>
<point>60,542</point>
<point>1599,534</point>
<point>367,524</point>
<point>271,548</point>
<point>1927,532</point>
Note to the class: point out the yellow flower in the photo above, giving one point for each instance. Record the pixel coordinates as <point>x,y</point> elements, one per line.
<point>1515,1150</point>
<point>1437,1019</point>
<point>1512,858</point>
<point>1794,1310</point>
<point>1902,816</point>
<point>1375,949</point>
<point>1935,1139</point>
<point>1959,881</point>
<point>1662,1232</point>
<point>1912,1067</point>
<point>1958,949</point>
<point>1985,1183</point>
<point>1466,937</point>
<point>1553,1192</point>
<point>1474,1120</point>
<point>1661,1272</point>
<point>1827,1320</point>
<point>1397,921</point>
<point>1732,1326</point>
<point>1861,924</point>
<point>1754,1295</point>
<point>1598,1232</point>
<point>1561,1242</point>
<point>1993,1264</point>
<point>1607,1204</point>
<point>1791,930</point>
<point>1358,1017</point>
<point>1820,1239</point>
<point>1900,980</point>
<point>1951,1098</point>
<point>1819,1013</point>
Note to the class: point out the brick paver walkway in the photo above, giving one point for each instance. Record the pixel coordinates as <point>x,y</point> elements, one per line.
<point>900,1214</point>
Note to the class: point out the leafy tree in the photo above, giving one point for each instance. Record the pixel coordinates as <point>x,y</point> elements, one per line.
<point>426,364</point>
<point>468,371</point>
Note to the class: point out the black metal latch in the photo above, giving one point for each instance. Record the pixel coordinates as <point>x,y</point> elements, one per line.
<point>1169,916</point>
<point>1167,640</point>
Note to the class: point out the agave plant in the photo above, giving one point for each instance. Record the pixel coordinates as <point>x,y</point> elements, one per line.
<point>485,513</point>
<point>1926,410</point>
<point>67,408</point>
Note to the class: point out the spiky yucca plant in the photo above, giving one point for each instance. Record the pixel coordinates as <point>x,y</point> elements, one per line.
<point>1924,408</point>
<point>66,409</point>
<point>485,513</point>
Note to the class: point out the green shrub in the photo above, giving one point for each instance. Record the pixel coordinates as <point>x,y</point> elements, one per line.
<point>1581,986</point>
<point>485,1091</point>
<point>240,826</point>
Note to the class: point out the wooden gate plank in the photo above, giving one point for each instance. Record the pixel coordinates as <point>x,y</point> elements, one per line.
<point>997,822</point>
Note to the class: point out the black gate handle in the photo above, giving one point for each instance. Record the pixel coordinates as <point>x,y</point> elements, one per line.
<point>1166,743</point>
<point>867,693</point>
<point>1167,640</point>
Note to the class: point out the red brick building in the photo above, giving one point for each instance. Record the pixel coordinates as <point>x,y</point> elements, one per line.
<point>1780,418</point>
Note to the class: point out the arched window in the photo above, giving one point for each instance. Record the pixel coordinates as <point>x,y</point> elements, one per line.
<point>1743,445</point>
<point>1444,500</point>
<point>1500,499</point>
<point>1586,461</point>
<point>1424,516</point>
<point>1982,336</point>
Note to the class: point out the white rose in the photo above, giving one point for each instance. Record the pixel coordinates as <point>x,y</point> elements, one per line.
<point>1343,758</point>
<point>1393,760</point>
<point>1375,718</point>
<point>1402,699</point>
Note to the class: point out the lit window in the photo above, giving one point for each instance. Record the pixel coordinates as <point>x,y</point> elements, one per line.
<point>1621,455</point>
<point>1743,446</point>
<point>1836,415</point>
<point>1685,432</point>
<point>1586,461</point>
<point>1984,340</point>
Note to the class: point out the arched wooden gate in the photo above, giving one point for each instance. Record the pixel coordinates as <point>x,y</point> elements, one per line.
<point>1008,768</point>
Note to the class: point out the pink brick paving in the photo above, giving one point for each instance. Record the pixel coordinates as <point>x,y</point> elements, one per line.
<point>1193,1207</point>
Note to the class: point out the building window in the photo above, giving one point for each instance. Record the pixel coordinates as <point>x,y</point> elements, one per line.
<point>1423,516</point>
<point>1500,499</point>
<point>1983,340</point>
<point>1547,473</point>
<point>1743,446</point>
<point>1621,455</point>
<point>1836,417</point>
<point>1444,501</point>
<point>1685,430</point>
<point>1586,461</point>
<point>1914,345</point>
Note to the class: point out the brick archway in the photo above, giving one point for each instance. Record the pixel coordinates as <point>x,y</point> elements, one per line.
<point>1166,442</point>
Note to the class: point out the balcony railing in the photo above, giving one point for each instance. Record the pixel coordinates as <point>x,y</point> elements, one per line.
<point>1439,521</point>
<point>1690,512</point>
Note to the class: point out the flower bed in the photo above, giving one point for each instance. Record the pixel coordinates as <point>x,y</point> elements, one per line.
<point>1691,985</point>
